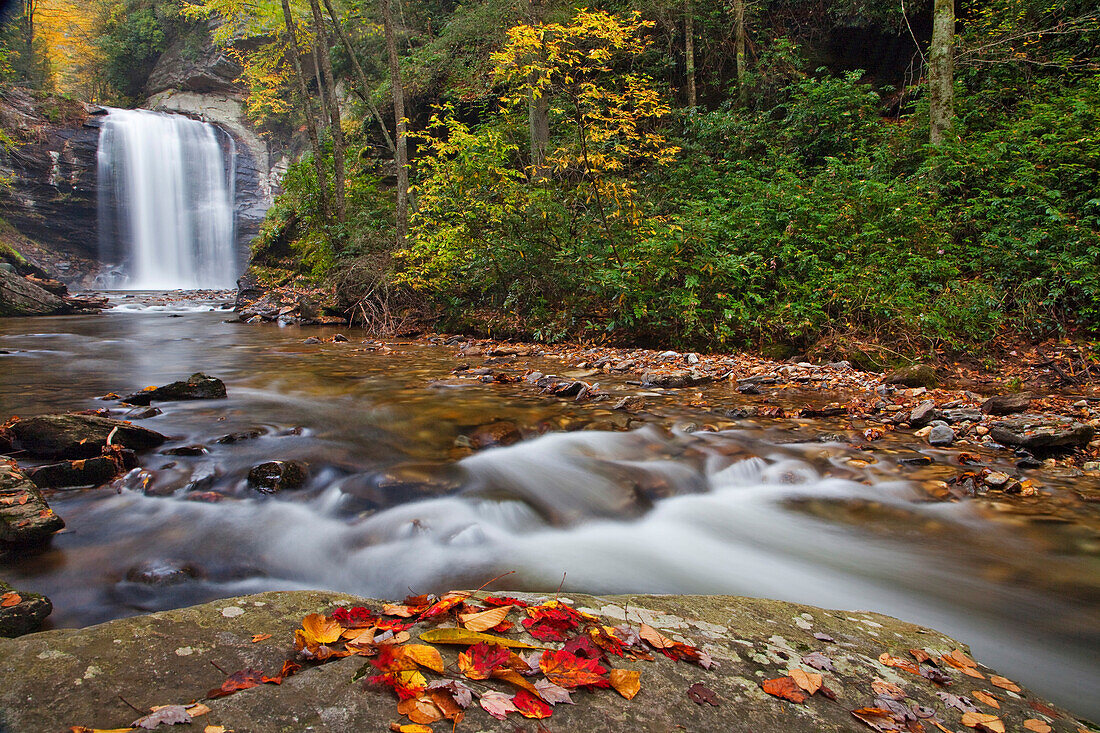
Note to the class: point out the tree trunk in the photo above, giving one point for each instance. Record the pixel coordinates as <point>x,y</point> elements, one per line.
<point>739,46</point>
<point>364,93</point>
<point>538,110</point>
<point>307,106</point>
<point>689,50</point>
<point>941,74</point>
<point>402,156</point>
<point>335,129</point>
<point>325,118</point>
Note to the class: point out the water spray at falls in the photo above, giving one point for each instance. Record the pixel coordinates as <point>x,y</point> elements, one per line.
<point>166,202</point>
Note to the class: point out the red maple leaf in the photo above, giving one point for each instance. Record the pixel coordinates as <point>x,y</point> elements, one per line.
<point>503,601</point>
<point>551,624</point>
<point>479,661</point>
<point>530,706</point>
<point>238,681</point>
<point>569,670</point>
<point>356,617</point>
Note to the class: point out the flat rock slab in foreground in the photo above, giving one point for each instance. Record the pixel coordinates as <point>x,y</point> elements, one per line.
<point>57,679</point>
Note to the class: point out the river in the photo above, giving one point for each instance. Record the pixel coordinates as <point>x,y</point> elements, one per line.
<point>395,504</point>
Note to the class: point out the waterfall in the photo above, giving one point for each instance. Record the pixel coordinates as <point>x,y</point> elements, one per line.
<point>166,202</point>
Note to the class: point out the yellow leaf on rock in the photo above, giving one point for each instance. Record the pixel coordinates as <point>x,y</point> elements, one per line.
<point>197,709</point>
<point>425,656</point>
<point>465,636</point>
<point>808,681</point>
<point>484,620</point>
<point>510,675</point>
<point>985,697</point>
<point>411,678</point>
<point>410,728</point>
<point>1004,683</point>
<point>627,682</point>
<point>1037,725</point>
<point>321,629</point>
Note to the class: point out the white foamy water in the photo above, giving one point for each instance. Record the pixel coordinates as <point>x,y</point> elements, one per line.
<point>166,191</point>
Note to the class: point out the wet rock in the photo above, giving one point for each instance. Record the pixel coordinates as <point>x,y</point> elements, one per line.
<point>198,386</point>
<point>186,450</point>
<point>399,484</point>
<point>25,517</point>
<point>312,340</point>
<point>25,616</point>
<point>941,435</point>
<point>748,389</point>
<point>923,414</point>
<point>162,572</point>
<point>631,403</point>
<point>501,432</point>
<point>82,472</point>
<point>239,436</point>
<point>675,379</point>
<point>1007,404</point>
<point>340,339</point>
<point>78,436</point>
<point>959,415</point>
<point>274,476</point>
<point>1042,433</point>
<point>915,375</point>
<point>143,413</point>
<point>21,297</point>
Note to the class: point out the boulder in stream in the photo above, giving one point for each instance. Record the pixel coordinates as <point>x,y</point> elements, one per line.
<point>81,472</point>
<point>164,658</point>
<point>25,517</point>
<point>198,386</point>
<point>21,613</point>
<point>1007,404</point>
<point>1042,433</point>
<point>274,476</point>
<point>77,435</point>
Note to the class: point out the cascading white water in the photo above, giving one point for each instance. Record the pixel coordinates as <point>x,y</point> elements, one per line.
<point>166,202</point>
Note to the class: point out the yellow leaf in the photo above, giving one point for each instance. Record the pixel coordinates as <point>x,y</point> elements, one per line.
<point>464,636</point>
<point>484,620</point>
<point>197,709</point>
<point>321,629</point>
<point>410,728</point>
<point>425,656</point>
<point>992,722</point>
<point>627,682</point>
<point>214,729</point>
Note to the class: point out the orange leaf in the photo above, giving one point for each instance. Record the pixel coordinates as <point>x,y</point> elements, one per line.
<point>985,697</point>
<point>10,599</point>
<point>420,709</point>
<point>569,670</point>
<point>1004,684</point>
<point>808,681</point>
<point>260,637</point>
<point>410,728</point>
<point>887,689</point>
<point>479,661</point>
<point>484,620</point>
<point>389,609</point>
<point>627,682</point>
<point>425,656</point>
<point>958,658</point>
<point>530,706</point>
<point>515,678</point>
<point>655,638</point>
<point>877,718</point>
<point>321,629</point>
<point>784,687</point>
<point>985,720</point>
<point>1039,726</point>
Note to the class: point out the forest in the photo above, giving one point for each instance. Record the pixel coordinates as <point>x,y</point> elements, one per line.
<point>696,175</point>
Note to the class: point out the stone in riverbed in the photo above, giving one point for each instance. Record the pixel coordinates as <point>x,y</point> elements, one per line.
<point>274,476</point>
<point>25,517</point>
<point>82,472</point>
<point>1041,433</point>
<point>915,375</point>
<point>25,616</point>
<point>675,379</point>
<point>923,414</point>
<point>78,436</point>
<point>1007,404</point>
<point>501,432</point>
<point>198,386</point>
<point>941,435</point>
<point>162,572</point>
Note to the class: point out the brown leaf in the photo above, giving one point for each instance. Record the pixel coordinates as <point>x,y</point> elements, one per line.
<point>484,620</point>
<point>808,681</point>
<point>920,655</point>
<point>421,709</point>
<point>654,638</point>
<point>10,599</point>
<point>784,687</point>
<point>958,658</point>
<point>988,699</point>
<point>1004,683</point>
<point>883,688</point>
<point>877,718</point>
<point>701,694</point>
<point>626,682</point>
<point>1039,726</point>
<point>985,721</point>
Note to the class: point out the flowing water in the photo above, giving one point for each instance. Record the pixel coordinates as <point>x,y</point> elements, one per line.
<point>166,195</point>
<point>395,504</point>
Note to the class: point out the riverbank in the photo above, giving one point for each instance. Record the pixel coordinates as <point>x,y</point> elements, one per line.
<point>858,670</point>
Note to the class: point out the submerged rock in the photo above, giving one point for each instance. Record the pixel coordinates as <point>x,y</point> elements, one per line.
<point>274,476</point>
<point>502,432</point>
<point>198,386</point>
<point>165,657</point>
<point>25,517</point>
<point>24,616</point>
<point>1042,433</point>
<point>162,572</point>
<point>78,436</point>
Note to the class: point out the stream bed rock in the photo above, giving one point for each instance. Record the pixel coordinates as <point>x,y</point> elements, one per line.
<point>63,678</point>
<point>1042,433</point>
<point>25,517</point>
<point>77,435</point>
<point>23,617</point>
<point>198,386</point>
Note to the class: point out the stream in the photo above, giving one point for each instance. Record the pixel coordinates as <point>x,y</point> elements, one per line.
<point>591,499</point>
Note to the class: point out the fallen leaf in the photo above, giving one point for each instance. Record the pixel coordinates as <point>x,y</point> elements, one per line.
<point>320,629</point>
<point>988,699</point>
<point>515,678</point>
<point>242,680</point>
<point>784,687</point>
<point>447,704</point>
<point>552,693</point>
<point>958,702</point>
<point>484,620</point>
<point>1004,684</point>
<point>817,660</point>
<point>1044,709</point>
<point>497,704</point>
<point>959,658</point>
<point>214,729</point>
<point>421,709</point>
<point>983,720</point>
<point>445,604</point>
<point>425,656</point>
<point>877,718</point>
<point>260,637</point>
<point>569,670</point>
<point>530,706</point>
<point>459,690</point>
<point>10,599</point>
<point>654,638</point>
<point>1039,726</point>
<point>479,661</point>
<point>883,688</point>
<point>700,694</point>
<point>808,681</point>
<point>464,636</point>
<point>410,728</point>
<point>626,682</point>
<point>920,655</point>
<point>197,709</point>
<point>904,664</point>
<point>167,715</point>
<point>389,609</point>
